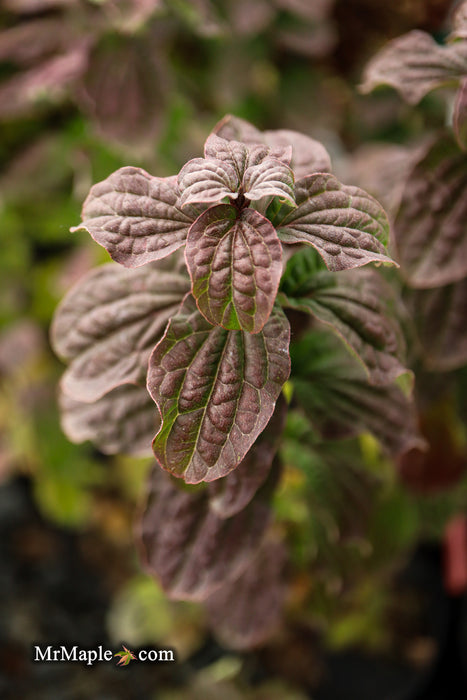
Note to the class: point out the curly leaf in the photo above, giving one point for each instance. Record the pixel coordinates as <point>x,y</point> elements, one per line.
<point>460,115</point>
<point>344,224</point>
<point>231,494</point>
<point>340,402</point>
<point>235,263</point>
<point>216,391</point>
<point>122,421</point>
<point>108,324</point>
<point>243,613</point>
<point>187,547</point>
<point>414,64</point>
<point>355,306</point>
<point>440,320</point>
<point>135,216</point>
<point>430,225</point>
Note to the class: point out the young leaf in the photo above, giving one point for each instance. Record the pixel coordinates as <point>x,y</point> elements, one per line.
<point>440,320</point>
<point>231,494</point>
<point>243,613</point>
<point>344,224</point>
<point>216,391</point>
<point>122,421</point>
<point>135,216</point>
<point>235,263</point>
<point>110,321</point>
<point>430,225</point>
<point>332,388</point>
<point>460,115</point>
<point>354,304</point>
<point>415,64</point>
<point>308,155</point>
<point>204,180</point>
<point>190,550</point>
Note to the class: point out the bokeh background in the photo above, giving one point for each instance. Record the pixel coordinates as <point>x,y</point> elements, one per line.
<point>87,86</point>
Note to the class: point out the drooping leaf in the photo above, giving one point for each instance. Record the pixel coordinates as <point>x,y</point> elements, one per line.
<point>216,391</point>
<point>187,547</point>
<point>235,263</point>
<point>415,64</point>
<point>308,155</point>
<point>460,115</point>
<point>135,216</point>
<point>243,613</point>
<point>122,421</point>
<point>108,324</point>
<point>332,388</point>
<point>430,225</point>
<point>354,304</point>
<point>440,319</point>
<point>229,495</point>
<point>344,224</point>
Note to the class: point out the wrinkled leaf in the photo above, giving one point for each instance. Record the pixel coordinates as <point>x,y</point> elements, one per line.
<point>244,613</point>
<point>231,494</point>
<point>460,115</point>
<point>135,216</point>
<point>414,64</point>
<point>332,388</point>
<point>430,225</point>
<point>216,391</point>
<point>122,421</point>
<point>308,155</point>
<point>440,320</point>
<point>207,181</point>
<point>354,304</point>
<point>235,263</point>
<point>187,547</point>
<point>344,224</point>
<point>110,321</point>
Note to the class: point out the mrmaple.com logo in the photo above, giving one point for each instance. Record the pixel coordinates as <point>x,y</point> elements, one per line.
<point>89,657</point>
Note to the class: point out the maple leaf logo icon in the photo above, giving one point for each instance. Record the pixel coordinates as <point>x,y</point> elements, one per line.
<point>126,656</point>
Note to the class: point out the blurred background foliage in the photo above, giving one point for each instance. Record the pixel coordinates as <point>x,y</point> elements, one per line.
<point>87,86</point>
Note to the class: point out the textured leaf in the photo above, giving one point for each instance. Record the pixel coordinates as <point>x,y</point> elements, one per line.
<point>441,322</point>
<point>235,263</point>
<point>190,550</point>
<point>110,321</point>
<point>231,494</point>
<point>135,216</point>
<point>207,180</point>
<point>430,225</point>
<point>333,390</point>
<point>460,115</point>
<point>354,304</point>
<point>243,613</point>
<point>308,155</point>
<point>122,421</point>
<point>269,178</point>
<point>216,391</point>
<point>415,64</point>
<point>344,224</point>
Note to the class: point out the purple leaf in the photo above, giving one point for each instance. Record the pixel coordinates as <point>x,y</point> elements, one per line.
<point>334,392</point>
<point>187,547</point>
<point>110,321</point>
<point>231,494</point>
<point>344,224</point>
<point>216,391</point>
<point>354,304</point>
<point>460,115</point>
<point>430,225</point>
<point>440,319</point>
<point>308,155</point>
<point>235,263</point>
<point>30,41</point>
<point>414,64</point>
<point>243,613</point>
<point>122,421</point>
<point>135,216</point>
<point>207,180</point>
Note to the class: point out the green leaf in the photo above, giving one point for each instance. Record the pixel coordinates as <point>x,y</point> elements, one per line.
<point>216,391</point>
<point>235,263</point>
